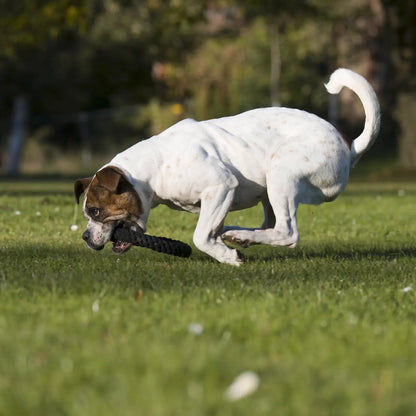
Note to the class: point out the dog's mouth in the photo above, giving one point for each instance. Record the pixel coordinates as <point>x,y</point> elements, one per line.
<point>120,247</point>
<point>94,247</point>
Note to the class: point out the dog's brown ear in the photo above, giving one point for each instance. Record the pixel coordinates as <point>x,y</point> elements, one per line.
<point>79,187</point>
<point>109,178</point>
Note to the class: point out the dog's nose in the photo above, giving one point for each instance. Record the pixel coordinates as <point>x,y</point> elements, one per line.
<point>86,235</point>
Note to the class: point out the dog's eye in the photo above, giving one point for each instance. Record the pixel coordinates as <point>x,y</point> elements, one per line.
<point>95,212</point>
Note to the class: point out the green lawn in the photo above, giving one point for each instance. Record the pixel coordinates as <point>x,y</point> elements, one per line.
<point>329,327</point>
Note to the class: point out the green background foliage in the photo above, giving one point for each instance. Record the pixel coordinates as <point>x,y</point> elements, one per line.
<point>211,58</point>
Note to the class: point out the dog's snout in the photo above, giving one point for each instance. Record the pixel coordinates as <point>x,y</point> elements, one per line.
<point>86,235</point>
<point>92,242</point>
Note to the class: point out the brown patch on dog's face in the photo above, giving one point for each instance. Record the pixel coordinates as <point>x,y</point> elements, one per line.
<point>107,204</point>
<point>109,200</point>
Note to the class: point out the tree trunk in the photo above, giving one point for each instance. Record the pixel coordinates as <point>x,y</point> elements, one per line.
<point>405,114</point>
<point>333,109</point>
<point>275,65</point>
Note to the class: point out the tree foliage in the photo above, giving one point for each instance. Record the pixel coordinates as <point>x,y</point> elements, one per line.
<point>210,57</point>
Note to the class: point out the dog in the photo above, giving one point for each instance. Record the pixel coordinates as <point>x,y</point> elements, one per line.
<point>278,156</point>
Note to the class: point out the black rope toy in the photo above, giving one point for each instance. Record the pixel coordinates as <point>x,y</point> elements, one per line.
<point>131,233</point>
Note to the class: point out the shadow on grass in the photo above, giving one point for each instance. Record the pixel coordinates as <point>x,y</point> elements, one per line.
<point>75,270</point>
<point>334,255</point>
<point>29,251</point>
<point>38,178</point>
<point>35,193</point>
<point>36,185</point>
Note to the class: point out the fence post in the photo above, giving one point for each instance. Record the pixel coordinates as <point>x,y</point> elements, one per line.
<point>17,134</point>
<point>84,133</point>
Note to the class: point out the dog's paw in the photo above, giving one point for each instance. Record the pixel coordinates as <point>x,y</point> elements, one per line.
<point>234,258</point>
<point>235,237</point>
<point>240,257</point>
<point>238,260</point>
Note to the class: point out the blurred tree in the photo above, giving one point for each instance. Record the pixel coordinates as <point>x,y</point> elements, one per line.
<point>67,55</point>
<point>132,40</point>
<point>401,30</point>
<point>70,55</point>
<point>356,40</point>
<point>235,69</point>
<point>33,31</point>
<point>36,49</point>
<point>214,57</point>
<point>378,39</point>
<point>278,14</point>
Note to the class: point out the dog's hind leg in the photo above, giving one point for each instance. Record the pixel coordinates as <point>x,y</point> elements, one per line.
<point>280,226</point>
<point>269,222</point>
<point>269,217</point>
<point>215,203</point>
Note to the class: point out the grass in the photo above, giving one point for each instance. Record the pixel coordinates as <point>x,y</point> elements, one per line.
<point>327,326</point>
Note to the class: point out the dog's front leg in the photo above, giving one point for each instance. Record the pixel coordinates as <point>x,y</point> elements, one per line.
<point>215,203</point>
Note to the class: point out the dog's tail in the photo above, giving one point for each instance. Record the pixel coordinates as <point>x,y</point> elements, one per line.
<point>346,78</point>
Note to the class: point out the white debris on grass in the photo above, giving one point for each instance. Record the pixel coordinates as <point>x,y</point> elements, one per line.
<point>74,227</point>
<point>37,213</point>
<point>352,319</point>
<point>401,192</point>
<point>95,306</point>
<point>407,289</point>
<point>195,328</point>
<point>243,385</point>
<point>17,213</point>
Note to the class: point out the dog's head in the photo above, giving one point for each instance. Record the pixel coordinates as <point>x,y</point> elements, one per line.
<point>110,199</point>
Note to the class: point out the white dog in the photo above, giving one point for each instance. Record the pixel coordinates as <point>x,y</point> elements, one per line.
<point>277,156</point>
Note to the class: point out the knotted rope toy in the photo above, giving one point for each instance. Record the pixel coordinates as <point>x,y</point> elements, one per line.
<point>131,233</point>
